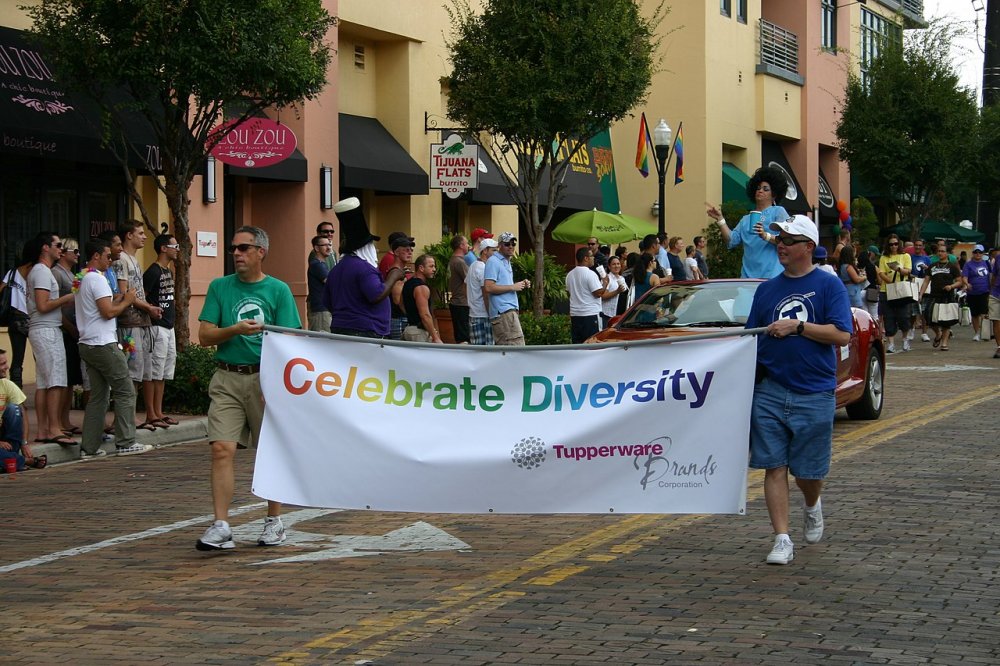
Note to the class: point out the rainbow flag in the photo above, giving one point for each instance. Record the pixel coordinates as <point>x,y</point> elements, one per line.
<point>679,152</point>
<point>641,152</point>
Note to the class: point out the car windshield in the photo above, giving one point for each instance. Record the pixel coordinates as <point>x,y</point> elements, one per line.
<point>709,304</point>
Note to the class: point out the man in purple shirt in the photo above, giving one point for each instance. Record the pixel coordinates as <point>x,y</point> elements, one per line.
<point>976,274</point>
<point>994,303</point>
<point>355,294</point>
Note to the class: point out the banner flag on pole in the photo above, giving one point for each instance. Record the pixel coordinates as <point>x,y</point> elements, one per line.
<point>679,152</point>
<point>655,428</point>
<point>642,148</point>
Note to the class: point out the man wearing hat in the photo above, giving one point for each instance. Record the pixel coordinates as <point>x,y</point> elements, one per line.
<point>976,275</point>
<point>499,284</point>
<point>355,294</point>
<point>807,315</point>
<point>476,238</point>
<point>480,330</point>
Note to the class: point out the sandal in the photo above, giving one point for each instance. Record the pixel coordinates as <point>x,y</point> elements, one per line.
<point>146,425</point>
<point>944,348</point>
<point>38,462</point>
<point>937,341</point>
<point>160,423</point>
<point>169,421</point>
<point>65,440</point>
<point>74,430</point>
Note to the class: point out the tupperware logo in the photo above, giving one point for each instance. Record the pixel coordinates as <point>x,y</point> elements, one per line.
<point>529,453</point>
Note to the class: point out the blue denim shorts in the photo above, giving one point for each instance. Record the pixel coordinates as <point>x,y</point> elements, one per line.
<point>791,429</point>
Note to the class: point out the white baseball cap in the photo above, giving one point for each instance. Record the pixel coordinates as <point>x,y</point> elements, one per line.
<point>487,242</point>
<point>798,225</point>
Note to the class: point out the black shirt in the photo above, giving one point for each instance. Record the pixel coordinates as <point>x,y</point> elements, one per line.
<point>410,303</point>
<point>158,282</point>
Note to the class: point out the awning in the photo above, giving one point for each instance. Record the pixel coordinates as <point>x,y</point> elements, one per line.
<point>292,169</point>
<point>934,229</point>
<point>371,159</point>
<point>795,198</point>
<point>582,191</point>
<point>40,118</point>
<point>734,183</point>
<point>827,201</point>
<point>491,188</point>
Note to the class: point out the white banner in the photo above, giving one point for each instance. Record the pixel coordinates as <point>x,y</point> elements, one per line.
<point>649,429</point>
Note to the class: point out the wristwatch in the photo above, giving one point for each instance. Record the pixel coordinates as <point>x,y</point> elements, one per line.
<point>800,328</point>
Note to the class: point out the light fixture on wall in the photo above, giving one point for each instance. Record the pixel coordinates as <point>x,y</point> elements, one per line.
<point>208,194</point>
<point>325,187</point>
<point>655,209</point>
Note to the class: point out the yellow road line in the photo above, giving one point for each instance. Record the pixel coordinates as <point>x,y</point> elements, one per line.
<point>462,601</point>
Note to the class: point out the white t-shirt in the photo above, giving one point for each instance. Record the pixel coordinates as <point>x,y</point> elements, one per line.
<point>95,330</point>
<point>41,277</point>
<point>474,289</point>
<point>581,282</point>
<point>18,294</point>
<point>610,306</point>
<point>691,264</point>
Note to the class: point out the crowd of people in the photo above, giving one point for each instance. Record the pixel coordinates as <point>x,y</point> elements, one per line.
<point>99,324</point>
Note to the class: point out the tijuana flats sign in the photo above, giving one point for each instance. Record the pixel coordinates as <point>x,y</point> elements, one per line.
<point>253,143</point>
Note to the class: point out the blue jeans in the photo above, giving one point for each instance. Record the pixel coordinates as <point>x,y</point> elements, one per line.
<point>12,432</point>
<point>791,429</point>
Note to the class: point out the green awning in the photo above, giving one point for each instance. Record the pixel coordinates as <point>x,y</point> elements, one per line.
<point>734,183</point>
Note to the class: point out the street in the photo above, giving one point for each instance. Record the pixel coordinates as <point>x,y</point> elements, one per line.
<point>98,562</point>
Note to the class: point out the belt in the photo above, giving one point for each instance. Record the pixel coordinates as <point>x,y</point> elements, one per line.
<point>240,369</point>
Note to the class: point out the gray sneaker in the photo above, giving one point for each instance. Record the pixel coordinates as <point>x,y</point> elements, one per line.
<point>100,453</point>
<point>217,537</point>
<point>783,551</point>
<point>274,532</point>
<point>814,522</point>
<point>134,449</point>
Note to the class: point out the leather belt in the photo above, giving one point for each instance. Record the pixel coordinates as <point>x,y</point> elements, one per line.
<point>240,369</point>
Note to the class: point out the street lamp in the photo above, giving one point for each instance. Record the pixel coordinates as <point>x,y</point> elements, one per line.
<point>661,141</point>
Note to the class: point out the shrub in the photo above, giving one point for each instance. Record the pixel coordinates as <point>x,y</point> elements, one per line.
<point>554,278</point>
<point>187,392</point>
<point>723,262</point>
<point>545,330</point>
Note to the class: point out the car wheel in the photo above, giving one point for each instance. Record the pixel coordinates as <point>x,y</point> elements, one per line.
<point>869,407</point>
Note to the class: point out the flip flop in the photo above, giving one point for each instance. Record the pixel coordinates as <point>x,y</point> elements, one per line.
<point>159,423</point>
<point>937,342</point>
<point>146,425</point>
<point>39,462</point>
<point>72,431</point>
<point>61,439</point>
<point>169,421</point>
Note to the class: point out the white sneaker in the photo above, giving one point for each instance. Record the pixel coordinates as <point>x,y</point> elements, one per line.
<point>925,338</point>
<point>891,349</point>
<point>975,338</point>
<point>134,449</point>
<point>100,453</point>
<point>783,551</point>
<point>218,536</point>
<point>909,334</point>
<point>274,532</point>
<point>814,522</point>
<point>906,345</point>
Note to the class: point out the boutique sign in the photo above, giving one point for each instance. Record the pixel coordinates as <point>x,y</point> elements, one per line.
<point>253,143</point>
<point>454,166</point>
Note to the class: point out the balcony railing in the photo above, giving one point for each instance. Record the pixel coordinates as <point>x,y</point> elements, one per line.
<point>779,48</point>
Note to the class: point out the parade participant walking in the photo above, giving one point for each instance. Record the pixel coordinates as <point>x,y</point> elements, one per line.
<point>944,279</point>
<point>96,311</point>
<point>760,257</point>
<point>808,317</point>
<point>894,266</point>
<point>236,309</point>
<point>976,274</point>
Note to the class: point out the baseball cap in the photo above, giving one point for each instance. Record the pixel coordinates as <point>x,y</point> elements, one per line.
<point>401,241</point>
<point>507,237</point>
<point>874,250</point>
<point>978,248</point>
<point>819,252</point>
<point>478,233</point>
<point>798,225</point>
<point>488,243</point>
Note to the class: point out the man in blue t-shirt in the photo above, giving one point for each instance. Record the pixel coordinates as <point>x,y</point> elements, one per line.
<point>919,262</point>
<point>807,315</point>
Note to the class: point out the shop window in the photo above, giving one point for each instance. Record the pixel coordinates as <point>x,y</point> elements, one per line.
<point>726,7</point>
<point>829,17</point>
<point>741,11</point>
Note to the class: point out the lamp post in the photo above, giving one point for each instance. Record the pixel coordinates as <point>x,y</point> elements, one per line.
<point>661,142</point>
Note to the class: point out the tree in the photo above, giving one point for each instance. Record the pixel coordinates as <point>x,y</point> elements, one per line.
<point>181,63</point>
<point>865,224</point>
<point>541,78</point>
<point>910,130</point>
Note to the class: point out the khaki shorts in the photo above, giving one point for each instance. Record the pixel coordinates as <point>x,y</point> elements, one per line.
<point>994,308</point>
<point>237,408</point>
<point>416,334</point>
<point>507,329</point>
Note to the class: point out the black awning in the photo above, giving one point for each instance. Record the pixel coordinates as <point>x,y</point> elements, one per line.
<point>795,198</point>
<point>582,191</point>
<point>39,117</point>
<point>292,169</point>
<point>371,159</point>
<point>491,188</point>
<point>827,201</point>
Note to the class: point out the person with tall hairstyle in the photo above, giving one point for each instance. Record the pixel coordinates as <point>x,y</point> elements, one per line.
<point>894,266</point>
<point>760,255</point>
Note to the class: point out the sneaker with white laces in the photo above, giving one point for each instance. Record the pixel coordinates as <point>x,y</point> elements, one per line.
<point>218,536</point>
<point>906,345</point>
<point>891,349</point>
<point>274,532</point>
<point>924,337</point>
<point>783,551</point>
<point>814,522</point>
<point>975,338</point>
<point>100,453</point>
<point>909,335</point>
<point>134,449</point>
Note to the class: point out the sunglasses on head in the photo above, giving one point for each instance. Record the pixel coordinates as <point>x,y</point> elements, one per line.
<point>242,247</point>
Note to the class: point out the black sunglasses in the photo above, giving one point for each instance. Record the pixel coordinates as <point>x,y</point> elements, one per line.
<point>242,247</point>
<point>790,240</point>
<point>510,244</point>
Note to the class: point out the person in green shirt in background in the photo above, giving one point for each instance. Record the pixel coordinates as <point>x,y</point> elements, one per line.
<point>236,309</point>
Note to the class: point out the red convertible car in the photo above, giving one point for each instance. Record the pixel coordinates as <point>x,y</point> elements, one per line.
<point>690,308</point>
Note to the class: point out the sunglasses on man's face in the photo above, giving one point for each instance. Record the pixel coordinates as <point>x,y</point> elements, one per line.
<point>510,244</point>
<point>242,247</point>
<point>326,232</point>
<point>791,240</point>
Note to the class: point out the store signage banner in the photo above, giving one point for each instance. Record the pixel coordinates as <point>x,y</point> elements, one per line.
<point>454,166</point>
<point>647,429</point>
<point>253,143</point>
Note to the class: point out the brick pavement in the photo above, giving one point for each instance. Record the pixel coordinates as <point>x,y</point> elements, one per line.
<point>906,574</point>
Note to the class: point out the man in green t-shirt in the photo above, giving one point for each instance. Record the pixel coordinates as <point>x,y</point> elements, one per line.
<point>236,309</point>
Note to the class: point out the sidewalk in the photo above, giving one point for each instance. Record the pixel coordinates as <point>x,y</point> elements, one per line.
<point>191,428</point>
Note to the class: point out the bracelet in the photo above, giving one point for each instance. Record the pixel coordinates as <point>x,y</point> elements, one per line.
<point>721,222</point>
